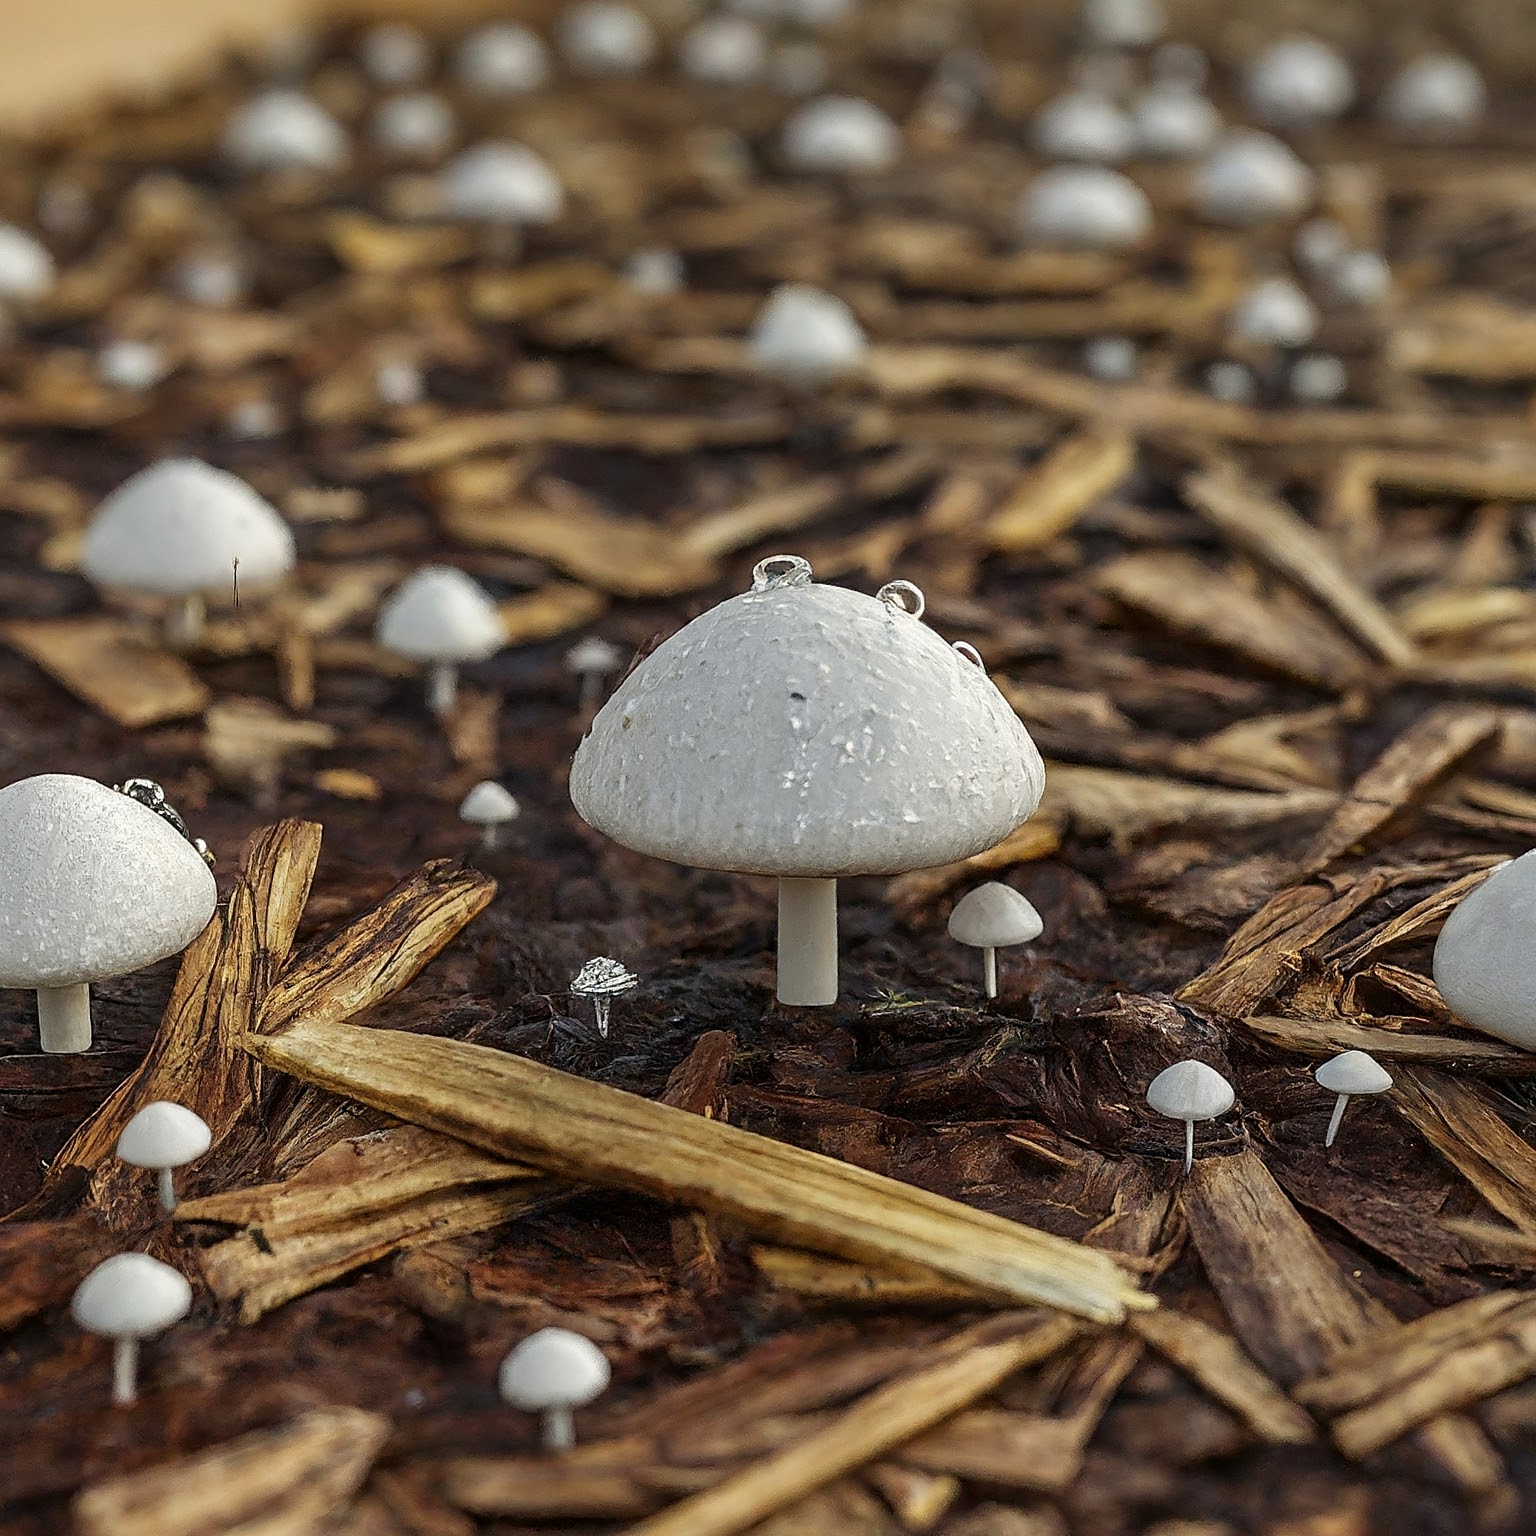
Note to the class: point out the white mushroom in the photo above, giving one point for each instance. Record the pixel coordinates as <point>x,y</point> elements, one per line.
<point>1174,122</point>
<point>1190,1091</point>
<point>443,618</point>
<point>1481,964</point>
<point>127,1298</point>
<point>807,336</point>
<point>1084,207</point>
<point>841,134</point>
<point>603,979</point>
<point>416,126</point>
<point>1082,125</point>
<point>184,530</point>
<point>397,381</point>
<point>1122,23</point>
<point>993,917</point>
<point>132,366</point>
<point>1230,382</point>
<point>502,60</point>
<point>1252,178</point>
<point>553,1372</point>
<point>164,1136</point>
<point>502,183</point>
<point>1110,358</point>
<point>1319,379</point>
<point>26,268</point>
<point>96,885</point>
<point>819,15</point>
<point>798,69</point>
<point>1319,243</point>
<point>592,658</point>
<point>656,271</point>
<point>283,130</point>
<point>724,50</point>
<point>254,420</point>
<point>489,807</point>
<point>395,54</point>
<point>807,732</point>
<point>1362,279</point>
<point>1347,1074</point>
<point>1298,81</point>
<point>606,37</point>
<point>209,278</point>
<point>1273,313</point>
<point>1438,97</point>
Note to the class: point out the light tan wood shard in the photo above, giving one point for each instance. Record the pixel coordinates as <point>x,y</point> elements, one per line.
<point>1508,474</point>
<point>1052,495</point>
<point>1466,335</point>
<point>246,740</point>
<point>288,1481</point>
<point>918,1499</point>
<point>820,1278</point>
<point>1038,838</point>
<point>1325,1037</point>
<point>553,610</point>
<point>109,665</point>
<point>519,1108</point>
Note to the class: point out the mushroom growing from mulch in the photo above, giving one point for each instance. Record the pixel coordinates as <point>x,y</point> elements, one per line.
<point>128,1298</point>
<point>552,1373</point>
<point>443,618</point>
<point>1190,1091</point>
<point>992,917</point>
<point>1348,1074</point>
<point>164,1136</point>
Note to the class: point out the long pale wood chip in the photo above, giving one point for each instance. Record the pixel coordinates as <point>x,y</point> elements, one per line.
<point>1486,476</point>
<point>107,664</point>
<point>275,1482</point>
<point>1468,335</point>
<point>516,1107</point>
<point>714,534</point>
<point>1053,494</point>
<point>1461,875</point>
<point>1011,1450</point>
<point>820,1278</point>
<point>553,610</point>
<point>1324,1037</point>
<point>1272,532</point>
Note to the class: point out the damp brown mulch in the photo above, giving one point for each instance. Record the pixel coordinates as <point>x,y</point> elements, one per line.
<point>1281,660</point>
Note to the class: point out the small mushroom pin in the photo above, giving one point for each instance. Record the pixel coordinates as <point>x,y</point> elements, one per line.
<point>1347,1074</point>
<point>489,807</point>
<point>164,1136</point>
<point>1190,1091</point>
<point>592,659</point>
<point>993,917</point>
<point>603,980</point>
<point>127,1298</point>
<point>552,1372</point>
<point>441,617</point>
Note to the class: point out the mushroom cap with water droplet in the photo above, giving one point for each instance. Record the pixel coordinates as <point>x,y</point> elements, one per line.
<point>26,267</point>
<point>1251,178</point>
<point>553,1368</point>
<point>807,730</point>
<point>164,1135</point>
<point>440,615</point>
<point>95,885</point>
<point>283,130</point>
<point>1190,1090</point>
<point>502,183</point>
<point>994,916</point>
<point>130,1296</point>
<point>1353,1072</point>
<point>488,805</point>
<point>1482,963</point>
<point>178,527</point>
<point>841,133</point>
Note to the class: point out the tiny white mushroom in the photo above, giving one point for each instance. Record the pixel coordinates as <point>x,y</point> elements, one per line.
<point>807,336</point>
<point>441,617</point>
<point>1348,1074</point>
<point>163,1136</point>
<point>606,37</point>
<point>394,53</point>
<point>1298,81</point>
<point>209,278</point>
<point>415,126</point>
<point>1438,97</point>
<point>1319,379</point>
<point>132,366</point>
<point>656,271</point>
<point>502,183</point>
<point>182,529</point>
<point>1482,963</point>
<point>724,50</point>
<point>1358,278</point>
<point>841,134</point>
<point>502,60</point>
<point>127,1298</point>
<point>1082,125</point>
<point>552,1373</point>
<point>26,268</point>
<point>1230,382</point>
<point>398,381</point>
<point>603,979</point>
<point>1252,178</point>
<point>992,917</point>
<point>490,807</point>
<point>1123,23</point>
<point>283,130</point>
<point>798,69</point>
<point>1319,243</point>
<point>254,420</point>
<point>1174,122</point>
<point>592,658</point>
<point>1111,358</point>
<point>1085,207</point>
<point>1190,1091</point>
<point>1274,313</point>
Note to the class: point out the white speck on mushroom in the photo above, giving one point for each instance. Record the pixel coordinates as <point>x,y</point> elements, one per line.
<point>417,125</point>
<point>490,807</point>
<point>441,617</point>
<point>807,336</point>
<point>1190,1091</point>
<point>603,979</point>
<point>1082,125</point>
<point>1085,207</point>
<point>1439,97</point>
<point>26,268</point>
<point>285,130</point>
<point>552,1373</point>
<point>840,135</point>
<point>502,183</point>
<point>128,1298</point>
<point>1348,1074</point>
<point>502,60</point>
<point>395,54</point>
<point>606,37</point>
<point>164,1136</point>
<point>1252,178</point>
<point>992,917</point>
<point>1298,81</point>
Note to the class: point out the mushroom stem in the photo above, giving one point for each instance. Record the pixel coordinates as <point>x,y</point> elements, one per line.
<point>442,687</point>
<point>591,689</point>
<point>559,1428</point>
<point>125,1371</point>
<point>1189,1145</point>
<point>1338,1118</point>
<point>64,1018</point>
<point>600,1006</point>
<point>989,969</point>
<point>184,623</point>
<point>488,838</point>
<point>807,942</point>
<point>167,1183</point>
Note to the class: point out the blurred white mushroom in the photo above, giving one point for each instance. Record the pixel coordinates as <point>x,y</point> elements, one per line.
<point>132,366</point>
<point>603,980</point>
<point>1087,207</point>
<point>164,1136</point>
<point>395,54</point>
<point>1318,379</point>
<point>724,50</point>
<point>26,268</point>
<point>819,15</point>
<point>1252,178</point>
<point>992,917</point>
<point>656,270</point>
<point>441,617</point>
<point>551,1373</point>
<point>798,69</point>
<point>1274,312</point>
<point>1082,125</point>
<point>398,382</point>
<point>1362,279</point>
<point>489,807</point>
<point>1439,97</point>
<point>606,37</point>
<point>1298,81</point>
<point>1348,1074</point>
<point>254,420</point>
<point>209,278</point>
<point>128,1298</point>
<point>502,183</point>
<point>1190,1091</point>
<point>283,130</point>
<point>841,134</point>
<point>1110,358</point>
<point>807,336</point>
<point>1230,382</point>
<point>502,60</point>
<point>1174,122</point>
<point>416,126</point>
<point>1319,243</point>
<point>1122,23</point>
<point>592,658</point>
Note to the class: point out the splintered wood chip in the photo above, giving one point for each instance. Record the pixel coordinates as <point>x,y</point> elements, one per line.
<point>1051,496</point>
<point>245,741</point>
<point>1327,1037</point>
<point>370,245</point>
<point>108,665</point>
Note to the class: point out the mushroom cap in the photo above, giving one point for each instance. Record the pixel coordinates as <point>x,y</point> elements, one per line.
<point>178,527</point>
<point>593,654</point>
<point>807,335</point>
<point>164,1135</point>
<point>1481,966</point>
<point>440,615</point>
<point>1174,122</point>
<point>394,53</point>
<point>1440,95</point>
<point>96,885</point>
<point>282,130</point>
<point>1251,178</point>
<point>724,50</point>
<point>607,37</point>
<point>994,916</point>
<point>130,1296</point>
<point>1353,1072</point>
<point>1229,381</point>
<point>26,267</point>
<point>1110,357</point>
<point>417,125</point>
<point>1190,1090</point>
<point>502,59</point>
<point>1088,207</point>
<point>502,183</point>
<point>1123,23</point>
<point>1275,312</point>
<point>841,133</point>
<point>1319,379</point>
<point>806,730</point>
<point>1359,277</point>
<point>553,1368</point>
<point>1082,125</point>
<point>488,805</point>
<point>1320,242</point>
<point>1298,80</point>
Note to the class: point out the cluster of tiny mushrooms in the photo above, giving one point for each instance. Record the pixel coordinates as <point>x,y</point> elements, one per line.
<point>800,730</point>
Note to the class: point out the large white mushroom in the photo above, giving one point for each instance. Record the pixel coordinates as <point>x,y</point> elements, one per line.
<point>1083,125</point>
<point>26,268</point>
<point>1252,178</point>
<point>284,130</point>
<point>96,885</point>
<point>444,618</point>
<point>1440,96</point>
<point>502,183</point>
<point>1298,81</point>
<point>502,60</point>
<point>1084,207</point>
<point>807,336</point>
<point>186,531</point>
<point>841,134</point>
<point>551,1373</point>
<point>1482,966</point>
<point>807,732</point>
<point>607,37</point>
<point>128,1298</point>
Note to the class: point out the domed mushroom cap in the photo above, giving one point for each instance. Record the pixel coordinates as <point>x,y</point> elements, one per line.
<point>1250,178</point>
<point>553,1368</point>
<point>130,1296</point>
<point>1190,1090</point>
<point>1082,125</point>
<point>504,183</point>
<point>1123,23</point>
<point>26,268</point>
<point>179,526</point>
<point>841,133</point>
<point>414,125</point>
<point>1275,312</point>
<point>285,130</point>
<point>488,805</point>
<point>1298,80</point>
<point>1481,964</point>
<point>724,50</point>
<point>502,59</point>
<point>1174,122</point>
<point>163,1135</point>
<point>807,335</point>
<point>607,37</point>
<point>1089,207</point>
<point>807,730</point>
<point>1353,1072</point>
<point>1438,96</point>
<point>440,614</point>
<point>994,916</point>
<point>95,885</point>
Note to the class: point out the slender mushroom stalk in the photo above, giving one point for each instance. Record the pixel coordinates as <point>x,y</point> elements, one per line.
<point>442,618</point>
<point>489,807</point>
<point>184,623</point>
<point>442,687</point>
<point>807,942</point>
<point>128,1298</point>
<point>1190,1091</point>
<point>603,980</point>
<point>64,1019</point>
<point>1348,1074</point>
